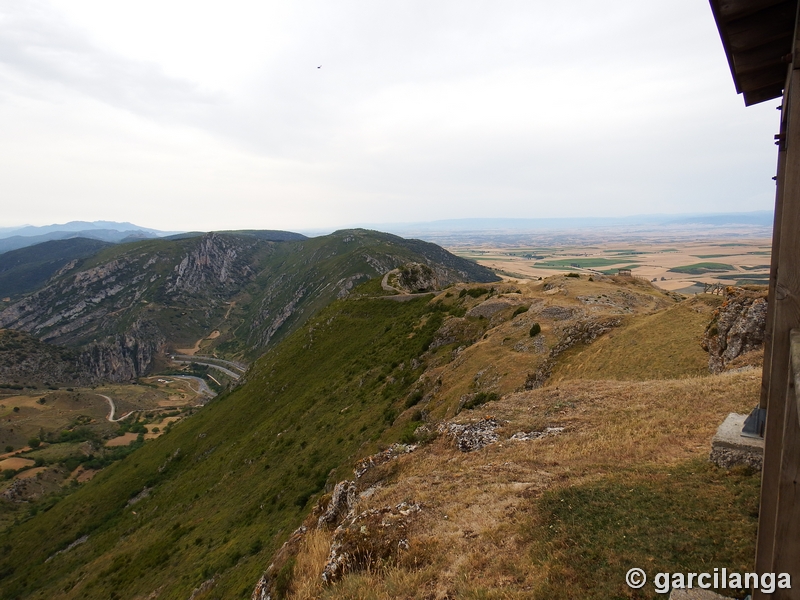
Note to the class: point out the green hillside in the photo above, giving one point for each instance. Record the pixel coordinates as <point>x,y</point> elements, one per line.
<point>233,293</point>
<point>223,489</point>
<point>25,270</point>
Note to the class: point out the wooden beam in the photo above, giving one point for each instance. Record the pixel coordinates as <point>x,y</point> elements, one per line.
<point>766,55</point>
<point>736,9</point>
<point>773,269</point>
<point>761,28</point>
<point>786,551</point>
<point>762,95</point>
<point>773,550</point>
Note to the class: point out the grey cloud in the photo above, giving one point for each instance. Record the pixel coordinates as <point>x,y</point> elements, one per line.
<point>37,43</point>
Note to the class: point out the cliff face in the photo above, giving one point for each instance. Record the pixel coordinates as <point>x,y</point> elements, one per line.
<point>125,305</point>
<point>119,313</point>
<point>736,328</point>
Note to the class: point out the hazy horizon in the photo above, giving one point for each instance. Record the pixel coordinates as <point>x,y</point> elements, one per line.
<point>309,115</point>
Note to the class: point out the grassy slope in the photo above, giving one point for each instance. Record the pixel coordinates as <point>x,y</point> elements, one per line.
<point>627,484</point>
<point>229,483</point>
<point>665,345</point>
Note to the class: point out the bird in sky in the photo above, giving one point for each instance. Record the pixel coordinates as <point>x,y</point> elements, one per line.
<point>319,67</point>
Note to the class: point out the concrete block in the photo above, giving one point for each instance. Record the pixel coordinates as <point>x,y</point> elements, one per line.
<point>695,594</point>
<point>730,448</point>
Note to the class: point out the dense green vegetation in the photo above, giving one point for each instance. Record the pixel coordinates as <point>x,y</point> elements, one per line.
<point>661,520</point>
<point>703,267</point>
<point>24,270</point>
<point>583,262</point>
<point>216,495</point>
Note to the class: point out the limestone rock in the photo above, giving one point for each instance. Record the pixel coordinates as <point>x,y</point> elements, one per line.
<point>343,500</point>
<point>368,540</point>
<point>737,327</point>
<point>472,436</point>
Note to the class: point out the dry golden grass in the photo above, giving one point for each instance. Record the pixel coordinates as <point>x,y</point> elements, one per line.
<point>306,582</point>
<point>663,345</point>
<point>471,535</point>
<point>501,360</point>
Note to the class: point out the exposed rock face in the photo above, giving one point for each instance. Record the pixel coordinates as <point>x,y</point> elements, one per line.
<point>472,436</point>
<point>416,277</point>
<point>124,357</point>
<point>369,539</point>
<point>736,327</point>
<point>342,501</point>
<point>212,263</point>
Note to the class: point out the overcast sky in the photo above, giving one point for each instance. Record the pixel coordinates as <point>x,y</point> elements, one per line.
<point>215,115</point>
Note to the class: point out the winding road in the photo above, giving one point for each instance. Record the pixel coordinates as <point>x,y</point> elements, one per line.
<point>114,410</point>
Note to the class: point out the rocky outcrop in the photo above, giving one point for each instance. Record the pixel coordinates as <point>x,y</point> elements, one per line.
<point>369,539</point>
<point>126,356</point>
<point>415,277</point>
<point>342,501</point>
<point>736,328</point>
<point>383,457</point>
<point>216,261</point>
<point>582,331</point>
<point>472,436</point>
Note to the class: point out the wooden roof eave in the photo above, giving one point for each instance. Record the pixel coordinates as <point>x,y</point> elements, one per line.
<point>757,36</point>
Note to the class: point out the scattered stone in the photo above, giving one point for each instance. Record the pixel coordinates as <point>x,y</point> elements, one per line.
<point>369,539</point>
<point>140,496</point>
<point>489,308</point>
<point>203,587</point>
<point>78,542</point>
<point>730,448</point>
<point>392,452</point>
<point>472,436</point>
<point>265,588</point>
<point>535,435</point>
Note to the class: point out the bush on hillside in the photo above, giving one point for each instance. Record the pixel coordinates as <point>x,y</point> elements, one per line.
<point>536,329</point>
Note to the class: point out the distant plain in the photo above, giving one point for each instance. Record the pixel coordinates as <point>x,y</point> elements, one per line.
<point>680,262</point>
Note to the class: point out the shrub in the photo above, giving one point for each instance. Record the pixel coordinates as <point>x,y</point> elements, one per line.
<point>519,311</point>
<point>34,442</point>
<point>480,398</point>
<point>414,399</point>
<point>9,448</point>
<point>476,292</point>
<point>573,275</point>
<point>536,329</point>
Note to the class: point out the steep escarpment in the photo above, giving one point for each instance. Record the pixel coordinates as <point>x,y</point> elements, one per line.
<point>127,304</point>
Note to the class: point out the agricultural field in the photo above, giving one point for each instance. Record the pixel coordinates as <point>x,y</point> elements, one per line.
<point>52,440</point>
<point>672,263</point>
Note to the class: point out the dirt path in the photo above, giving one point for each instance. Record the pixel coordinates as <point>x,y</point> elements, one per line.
<point>114,410</point>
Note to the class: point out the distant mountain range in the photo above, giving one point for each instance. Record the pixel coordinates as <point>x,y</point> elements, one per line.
<point>761,218</point>
<point>12,238</point>
<point>126,304</point>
